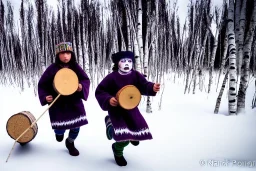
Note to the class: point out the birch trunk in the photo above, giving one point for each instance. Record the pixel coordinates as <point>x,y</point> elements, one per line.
<point>225,50</point>
<point>129,44</point>
<point>188,67</point>
<point>198,63</point>
<point>86,52</point>
<point>232,60</point>
<point>46,40</point>
<point>139,28</point>
<point>254,97</point>
<point>196,68</point>
<point>146,52</point>
<point>123,47</point>
<point>208,52</point>
<point>246,62</point>
<point>237,18</point>
<point>215,45</point>
<point>137,55</point>
<point>238,4</point>
<point>79,44</point>
<point>217,106</point>
<point>85,43</point>
<point>254,56</point>
<point>240,38</point>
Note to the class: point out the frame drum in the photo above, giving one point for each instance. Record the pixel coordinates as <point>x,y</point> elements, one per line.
<point>65,82</point>
<point>18,123</point>
<point>128,97</point>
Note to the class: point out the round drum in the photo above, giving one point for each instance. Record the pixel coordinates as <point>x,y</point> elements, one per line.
<point>128,97</point>
<point>18,123</point>
<point>65,82</point>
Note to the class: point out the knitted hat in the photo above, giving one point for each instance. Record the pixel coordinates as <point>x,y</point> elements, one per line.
<point>63,47</point>
<point>116,57</point>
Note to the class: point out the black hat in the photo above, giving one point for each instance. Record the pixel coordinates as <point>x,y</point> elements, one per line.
<point>116,57</point>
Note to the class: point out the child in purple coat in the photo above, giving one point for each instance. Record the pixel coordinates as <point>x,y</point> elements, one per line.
<point>67,112</point>
<point>124,126</point>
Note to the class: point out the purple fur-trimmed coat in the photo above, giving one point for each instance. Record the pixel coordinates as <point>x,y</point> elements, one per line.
<point>68,111</point>
<point>127,124</point>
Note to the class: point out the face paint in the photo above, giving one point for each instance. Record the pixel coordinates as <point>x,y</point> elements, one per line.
<point>125,65</point>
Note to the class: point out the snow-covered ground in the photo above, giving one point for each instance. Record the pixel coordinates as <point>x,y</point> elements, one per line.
<point>185,131</point>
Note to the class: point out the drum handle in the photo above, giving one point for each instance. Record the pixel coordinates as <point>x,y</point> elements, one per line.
<point>31,126</point>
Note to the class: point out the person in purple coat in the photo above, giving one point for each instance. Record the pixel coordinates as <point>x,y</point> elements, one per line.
<point>124,126</point>
<point>67,112</point>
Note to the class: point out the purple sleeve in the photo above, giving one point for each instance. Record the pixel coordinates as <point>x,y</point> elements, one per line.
<point>85,81</point>
<point>102,95</point>
<point>43,85</point>
<point>145,87</point>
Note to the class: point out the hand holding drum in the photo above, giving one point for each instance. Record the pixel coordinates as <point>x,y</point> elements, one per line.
<point>127,97</point>
<point>65,83</point>
<point>113,101</point>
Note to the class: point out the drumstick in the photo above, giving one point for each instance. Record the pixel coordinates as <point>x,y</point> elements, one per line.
<point>31,127</point>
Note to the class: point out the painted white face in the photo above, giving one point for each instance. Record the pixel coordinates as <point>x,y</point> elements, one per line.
<point>125,64</point>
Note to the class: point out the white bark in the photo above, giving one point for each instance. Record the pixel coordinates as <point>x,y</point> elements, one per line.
<point>139,28</point>
<point>85,45</point>
<point>246,62</point>
<point>129,45</point>
<point>145,62</point>
<point>137,55</point>
<point>153,57</point>
<point>80,57</point>
<point>232,60</point>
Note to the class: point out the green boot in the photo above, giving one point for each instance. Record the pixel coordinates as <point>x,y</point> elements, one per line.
<point>118,149</point>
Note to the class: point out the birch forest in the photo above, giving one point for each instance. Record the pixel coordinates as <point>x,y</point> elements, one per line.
<point>212,42</point>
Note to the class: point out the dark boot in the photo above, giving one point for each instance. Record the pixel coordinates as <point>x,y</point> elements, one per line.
<point>120,160</point>
<point>71,148</point>
<point>109,128</point>
<point>135,143</point>
<point>59,138</point>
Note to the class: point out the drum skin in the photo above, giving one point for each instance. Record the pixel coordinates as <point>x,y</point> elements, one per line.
<point>18,123</point>
<point>128,97</point>
<point>65,82</point>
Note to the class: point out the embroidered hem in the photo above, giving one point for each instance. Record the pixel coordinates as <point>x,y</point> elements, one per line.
<point>69,122</point>
<point>135,133</point>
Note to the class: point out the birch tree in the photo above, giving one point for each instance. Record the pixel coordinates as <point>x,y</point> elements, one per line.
<point>219,24</point>
<point>240,34</point>
<point>40,5</point>
<point>2,35</point>
<point>84,33</point>
<point>232,60</point>
<point>217,106</point>
<point>146,53</point>
<point>246,62</point>
<point>223,61</point>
